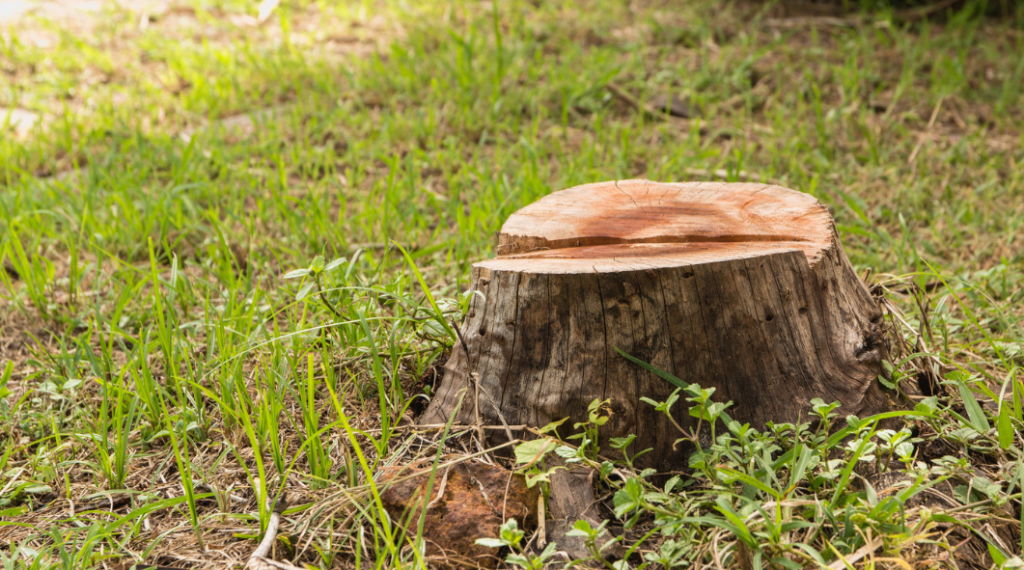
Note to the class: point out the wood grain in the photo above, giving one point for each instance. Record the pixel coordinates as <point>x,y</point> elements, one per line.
<point>740,287</point>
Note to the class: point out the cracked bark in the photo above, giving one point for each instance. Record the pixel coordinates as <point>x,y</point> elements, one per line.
<point>740,287</point>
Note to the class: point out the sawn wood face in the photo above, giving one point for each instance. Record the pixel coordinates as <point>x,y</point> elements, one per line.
<point>641,211</point>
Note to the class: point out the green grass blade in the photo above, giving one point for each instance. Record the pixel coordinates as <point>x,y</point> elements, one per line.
<point>974,410</point>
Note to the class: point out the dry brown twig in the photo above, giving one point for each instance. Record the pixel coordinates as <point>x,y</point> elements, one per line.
<point>924,135</point>
<point>901,16</point>
<point>259,559</point>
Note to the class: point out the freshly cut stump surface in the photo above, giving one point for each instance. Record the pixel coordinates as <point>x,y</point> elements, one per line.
<point>740,287</point>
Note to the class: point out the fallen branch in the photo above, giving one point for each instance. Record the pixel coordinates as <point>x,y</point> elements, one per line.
<point>900,16</point>
<point>922,12</point>
<point>641,107</point>
<point>259,559</point>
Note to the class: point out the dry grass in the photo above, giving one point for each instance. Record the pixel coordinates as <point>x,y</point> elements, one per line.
<point>375,122</point>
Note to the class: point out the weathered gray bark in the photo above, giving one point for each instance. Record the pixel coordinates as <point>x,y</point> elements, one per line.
<point>740,287</point>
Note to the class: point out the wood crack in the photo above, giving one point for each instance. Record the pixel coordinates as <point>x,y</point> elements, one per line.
<point>743,288</point>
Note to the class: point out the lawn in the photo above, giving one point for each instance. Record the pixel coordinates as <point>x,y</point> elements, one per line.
<point>164,367</point>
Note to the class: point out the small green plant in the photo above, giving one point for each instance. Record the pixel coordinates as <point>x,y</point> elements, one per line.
<point>596,539</point>
<point>315,273</point>
<point>36,272</point>
<point>112,448</point>
<point>5,377</point>
<point>320,463</point>
<point>511,537</point>
<point>598,414</point>
<point>144,327</point>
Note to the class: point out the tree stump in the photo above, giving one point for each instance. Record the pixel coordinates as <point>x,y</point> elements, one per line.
<point>740,287</point>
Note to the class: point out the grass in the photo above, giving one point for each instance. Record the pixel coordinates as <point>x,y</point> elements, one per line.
<point>201,310</point>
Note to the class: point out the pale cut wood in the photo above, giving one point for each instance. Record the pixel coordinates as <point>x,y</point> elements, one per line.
<point>640,211</point>
<point>740,287</point>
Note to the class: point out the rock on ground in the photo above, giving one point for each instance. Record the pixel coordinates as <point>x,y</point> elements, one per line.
<point>468,501</point>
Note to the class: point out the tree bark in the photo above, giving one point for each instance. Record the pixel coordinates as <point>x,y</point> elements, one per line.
<point>741,287</point>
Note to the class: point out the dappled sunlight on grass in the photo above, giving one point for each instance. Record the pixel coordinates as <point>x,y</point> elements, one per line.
<point>186,157</point>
